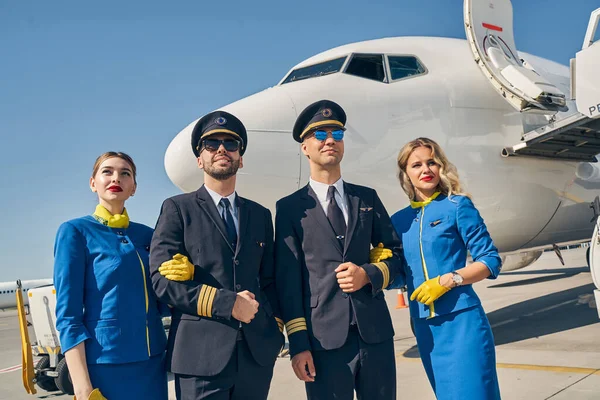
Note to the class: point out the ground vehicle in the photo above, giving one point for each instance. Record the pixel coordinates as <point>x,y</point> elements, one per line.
<point>50,372</point>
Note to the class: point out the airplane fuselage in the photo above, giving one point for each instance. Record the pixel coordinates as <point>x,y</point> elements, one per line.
<point>526,202</point>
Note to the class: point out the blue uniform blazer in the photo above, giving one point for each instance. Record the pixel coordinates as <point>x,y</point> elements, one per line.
<point>103,292</point>
<point>436,238</point>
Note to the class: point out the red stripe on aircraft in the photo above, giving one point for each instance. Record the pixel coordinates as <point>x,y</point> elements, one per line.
<point>492,27</point>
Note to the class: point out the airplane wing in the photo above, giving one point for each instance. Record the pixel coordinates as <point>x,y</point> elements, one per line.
<point>573,135</point>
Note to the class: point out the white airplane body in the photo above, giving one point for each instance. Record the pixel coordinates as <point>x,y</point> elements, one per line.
<point>529,203</point>
<point>8,291</point>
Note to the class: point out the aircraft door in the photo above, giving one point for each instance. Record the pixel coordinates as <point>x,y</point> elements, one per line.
<point>489,29</point>
<point>585,66</point>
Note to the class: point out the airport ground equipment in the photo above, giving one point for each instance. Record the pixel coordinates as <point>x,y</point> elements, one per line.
<point>50,372</point>
<point>570,134</point>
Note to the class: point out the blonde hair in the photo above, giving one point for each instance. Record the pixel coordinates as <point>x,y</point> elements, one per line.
<point>111,154</point>
<point>449,180</point>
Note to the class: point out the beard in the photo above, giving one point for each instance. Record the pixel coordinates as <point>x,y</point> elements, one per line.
<point>222,174</point>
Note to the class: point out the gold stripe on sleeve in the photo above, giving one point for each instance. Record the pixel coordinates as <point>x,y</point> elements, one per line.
<point>210,300</point>
<point>385,272</point>
<point>295,325</point>
<point>280,324</point>
<point>205,300</point>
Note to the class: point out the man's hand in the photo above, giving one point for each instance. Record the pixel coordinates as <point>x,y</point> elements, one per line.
<point>351,277</point>
<point>177,269</point>
<point>304,367</point>
<point>245,307</point>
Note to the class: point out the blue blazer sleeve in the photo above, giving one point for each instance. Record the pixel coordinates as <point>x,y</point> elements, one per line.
<point>69,278</point>
<point>476,237</point>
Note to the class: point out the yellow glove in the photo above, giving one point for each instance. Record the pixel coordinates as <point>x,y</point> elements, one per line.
<point>177,269</point>
<point>379,253</point>
<point>96,395</point>
<point>429,291</point>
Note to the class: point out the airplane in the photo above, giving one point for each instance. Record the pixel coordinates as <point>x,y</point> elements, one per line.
<point>8,291</point>
<point>523,131</point>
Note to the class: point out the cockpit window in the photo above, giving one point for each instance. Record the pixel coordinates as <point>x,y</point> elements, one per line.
<point>368,66</point>
<point>312,71</point>
<point>404,66</point>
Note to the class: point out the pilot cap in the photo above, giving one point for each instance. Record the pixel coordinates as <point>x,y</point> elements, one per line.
<point>321,114</point>
<point>218,122</point>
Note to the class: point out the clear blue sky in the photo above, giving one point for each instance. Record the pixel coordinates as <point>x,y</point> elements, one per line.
<point>80,78</point>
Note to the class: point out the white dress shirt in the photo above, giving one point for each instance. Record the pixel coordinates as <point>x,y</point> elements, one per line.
<point>233,209</point>
<point>321,189</point>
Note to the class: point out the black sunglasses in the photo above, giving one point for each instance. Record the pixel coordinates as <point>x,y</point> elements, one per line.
<point>214,144</point>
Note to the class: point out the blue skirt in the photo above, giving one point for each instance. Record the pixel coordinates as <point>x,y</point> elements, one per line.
<point>458,354</point>
<point>139,380</point>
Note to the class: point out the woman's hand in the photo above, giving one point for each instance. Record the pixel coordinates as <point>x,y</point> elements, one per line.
<point>177,269</point>
<point>83,392</point>
<point>96,395</point>
<point>379,253</point>
<point>429,291</point>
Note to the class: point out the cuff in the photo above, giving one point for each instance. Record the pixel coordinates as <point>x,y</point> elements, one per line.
<point>495,270</point>
<point>379,274</point>
<point>72,336</point>
<point>215,303</point>
<point>297,336</point>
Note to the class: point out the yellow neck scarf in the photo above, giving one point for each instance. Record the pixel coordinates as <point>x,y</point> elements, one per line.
<point>103,216</point>
<point>419,204</point>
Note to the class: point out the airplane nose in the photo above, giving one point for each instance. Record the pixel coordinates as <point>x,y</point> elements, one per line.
<point>271,111</point>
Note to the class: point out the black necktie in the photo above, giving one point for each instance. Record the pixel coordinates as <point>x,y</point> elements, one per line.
<point>335,215</point>
<point>229,224</point>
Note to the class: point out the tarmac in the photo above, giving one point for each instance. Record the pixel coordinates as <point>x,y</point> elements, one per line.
<point>545,323</point>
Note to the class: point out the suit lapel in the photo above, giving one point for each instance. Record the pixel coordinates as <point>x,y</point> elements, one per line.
<point>242,222</point>
<point>317,214</point>
<point>207,204</point>
<point>353,203</point>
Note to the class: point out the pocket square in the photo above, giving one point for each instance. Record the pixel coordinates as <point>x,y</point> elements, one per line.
<point>365,209</point>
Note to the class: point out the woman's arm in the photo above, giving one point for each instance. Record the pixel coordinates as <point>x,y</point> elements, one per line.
<point>79,372</point>
<point>474,233</point>
<point>69,282</point>
<point>472,273</point>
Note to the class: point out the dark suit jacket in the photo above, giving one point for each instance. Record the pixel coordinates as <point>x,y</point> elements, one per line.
<point>307,253</point>
<point>203,334</point>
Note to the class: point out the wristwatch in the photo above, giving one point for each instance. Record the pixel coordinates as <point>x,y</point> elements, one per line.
<point>457,278</point>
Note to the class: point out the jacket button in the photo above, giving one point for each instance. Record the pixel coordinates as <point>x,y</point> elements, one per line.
<point>125,241</point>
<point>345,295</point>
<point>236,262</point>
<point>238,286</point>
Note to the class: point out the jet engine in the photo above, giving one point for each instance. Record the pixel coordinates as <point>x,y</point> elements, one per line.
<point>512,262</point>
<point>588,172</point>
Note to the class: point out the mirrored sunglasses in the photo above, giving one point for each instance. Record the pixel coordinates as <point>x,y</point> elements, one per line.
<point>337,135</point>
<point>214,144</point>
